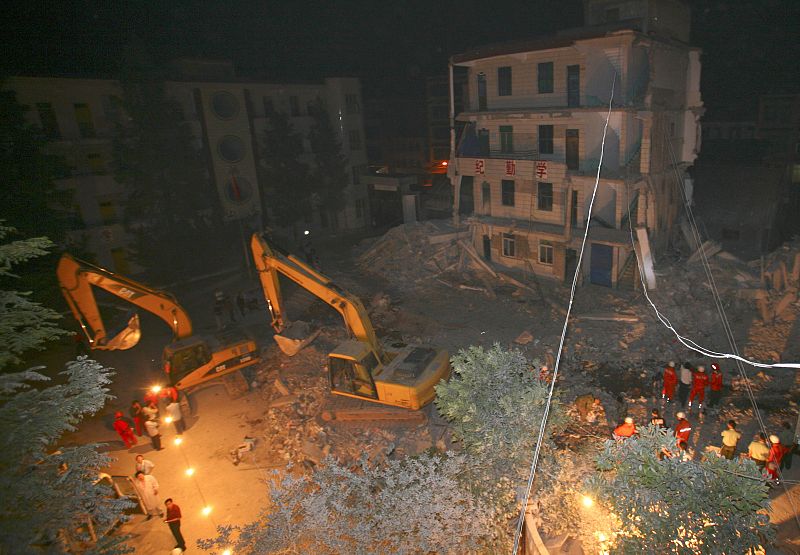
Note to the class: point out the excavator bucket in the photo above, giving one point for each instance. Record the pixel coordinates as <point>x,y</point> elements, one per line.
<point>295,338</point>
<point>127,337</point>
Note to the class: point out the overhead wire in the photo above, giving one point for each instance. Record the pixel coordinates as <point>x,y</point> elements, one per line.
<point>549,401</point>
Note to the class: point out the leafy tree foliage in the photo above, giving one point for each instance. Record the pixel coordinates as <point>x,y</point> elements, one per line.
<point>416,505</point>
<point>48,494</point>
<point>666,505</point>
<point>329,176</point>
<point>495,402</point>
<point>287,192</point>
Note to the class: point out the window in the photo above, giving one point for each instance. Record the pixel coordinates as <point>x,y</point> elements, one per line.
<point>507,139</point>
<point>545,252</point>
<point>545,77</point>
<point>47,118</point>
<point>544,196</point>
<point>355,139</point>
<point>108,214</point>
<point>508,192</point>
<point>294,105</point>
<point>351,104</point>
<point>545,139</point>
<point>486,195</point>
<point>509,245</point>
<point>84,118</point>
<point>360,204</point>
<point>269,106</point>
<point>96,164</point>
<point>504,81</point>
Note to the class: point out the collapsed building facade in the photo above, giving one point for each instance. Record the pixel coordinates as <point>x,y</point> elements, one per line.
<point>524,167</point>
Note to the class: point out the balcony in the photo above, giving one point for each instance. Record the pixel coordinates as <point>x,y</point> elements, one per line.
<point>498,145</point>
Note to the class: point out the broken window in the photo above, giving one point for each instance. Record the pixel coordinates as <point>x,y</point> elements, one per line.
<point>545,252</point>
<point>509,245</point>
<point>544,196</point>
<point>504,81</point>
<point>508,192</point>
<point>544,76</point>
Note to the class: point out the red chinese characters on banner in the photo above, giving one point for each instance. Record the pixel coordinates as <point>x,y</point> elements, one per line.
<point>511,167</point>
<point>480,167</point>
<point>541,169</point>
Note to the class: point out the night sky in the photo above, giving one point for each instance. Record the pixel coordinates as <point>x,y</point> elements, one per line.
<point>750,46</point>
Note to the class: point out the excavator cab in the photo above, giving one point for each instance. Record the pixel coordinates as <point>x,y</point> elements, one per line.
<point>183,357</point>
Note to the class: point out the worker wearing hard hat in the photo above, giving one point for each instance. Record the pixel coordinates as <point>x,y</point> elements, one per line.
<point>715,383</point>
<point>625,430</point>
<point>699,384</point>
<point>683,430</point>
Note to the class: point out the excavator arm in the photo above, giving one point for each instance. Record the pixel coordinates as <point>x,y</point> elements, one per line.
<point>270,263</point>
<point>76,279</point>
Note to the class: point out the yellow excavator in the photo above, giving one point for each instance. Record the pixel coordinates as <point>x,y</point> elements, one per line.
<point>360,367</point>
<point>190,361</point>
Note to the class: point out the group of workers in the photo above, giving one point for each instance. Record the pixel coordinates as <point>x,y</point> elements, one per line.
<point>769,454</point>
<point>146,417</point>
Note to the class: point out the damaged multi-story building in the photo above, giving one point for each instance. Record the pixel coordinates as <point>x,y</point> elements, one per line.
<point>524,167</point>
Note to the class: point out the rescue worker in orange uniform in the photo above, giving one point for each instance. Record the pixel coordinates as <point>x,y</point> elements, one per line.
<point>625,430</point>
<point>682,429</point>
<point>715,389</point>
<point>699,384</point>
<point>670,381</point>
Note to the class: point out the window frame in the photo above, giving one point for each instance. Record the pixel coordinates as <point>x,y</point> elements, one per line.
<point>504,81</point>
<point>543,196</point>
<point>507,139</point>
<point>546,249</point>
<point>545,77</point>
<point>545,143</point>
<point>507,198</point>
<point>509,246</point>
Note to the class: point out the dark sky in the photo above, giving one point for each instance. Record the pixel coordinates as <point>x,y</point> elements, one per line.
<point>750,46</point>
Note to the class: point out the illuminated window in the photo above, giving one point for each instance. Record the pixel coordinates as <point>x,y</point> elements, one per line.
<point>545,252</point>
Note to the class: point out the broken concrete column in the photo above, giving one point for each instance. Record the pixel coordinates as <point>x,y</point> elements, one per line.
<point>762,302</point>
<point>784,310</point>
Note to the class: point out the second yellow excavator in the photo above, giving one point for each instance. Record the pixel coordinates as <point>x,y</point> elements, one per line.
<point>360,367</point>
<point>190,361</point>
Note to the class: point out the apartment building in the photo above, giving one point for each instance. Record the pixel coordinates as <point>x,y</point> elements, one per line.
<point>228,117</point>
<point>524,167</point>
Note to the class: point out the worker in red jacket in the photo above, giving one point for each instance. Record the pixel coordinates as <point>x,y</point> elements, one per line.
<point>670,381</point>
<point>625,430</point>
<point>682,429</point>
<point>699,384</point>
<point>776,452</point>
<point>124,430</point>
<point>715,389</point>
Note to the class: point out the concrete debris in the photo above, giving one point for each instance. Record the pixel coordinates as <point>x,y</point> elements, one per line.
<point>709,249</point>
<point>280,385</point>
<point>524,338</point>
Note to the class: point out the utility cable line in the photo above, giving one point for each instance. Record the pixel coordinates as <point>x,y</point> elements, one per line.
<point>542,426</point>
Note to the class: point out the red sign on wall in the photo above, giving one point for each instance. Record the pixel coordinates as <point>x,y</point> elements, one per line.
<point>511,167</point>
<point>541,169</point>
<point>480,167</point>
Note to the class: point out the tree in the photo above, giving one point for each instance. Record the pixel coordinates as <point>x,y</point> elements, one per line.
<point>329,176</point>
<point>494,403</point>
<point>666,505</point>
<point>416,505</point>
<point>48,493</point>
<point>287,192</point>
<point>170,204</point>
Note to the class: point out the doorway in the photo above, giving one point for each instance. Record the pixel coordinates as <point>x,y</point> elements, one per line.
<point>570,264</point>
<point>601,265</point>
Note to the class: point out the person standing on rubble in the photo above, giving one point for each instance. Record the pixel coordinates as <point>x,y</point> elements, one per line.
<point>684,383</point>
<point>699,384</point>
<point>730,437</point>
<point>670,381</point>
<point>758,451</point>
<point>715,383</point>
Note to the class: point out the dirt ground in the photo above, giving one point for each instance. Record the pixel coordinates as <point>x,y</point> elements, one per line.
<point>614,348</point>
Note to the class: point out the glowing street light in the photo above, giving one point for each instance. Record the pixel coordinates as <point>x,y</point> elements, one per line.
<point>601,537</point>
<point>168,420</point>
<point>587,501</point>
<point>227,552</point>
<point>155,389</point>
<point>178,440</point>
<point>189,471</point>
<point>206,510</point>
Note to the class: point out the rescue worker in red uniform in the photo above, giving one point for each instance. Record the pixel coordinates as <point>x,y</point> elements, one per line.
<point>776,452</point>
<point>670,381</point>
<point>682,429</point>
<point>699,384</point>
<point>715,389</point>
<point>625,430</point>
<point>124,430</point>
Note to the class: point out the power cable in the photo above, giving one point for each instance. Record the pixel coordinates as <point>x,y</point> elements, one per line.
<point>537,450</point>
